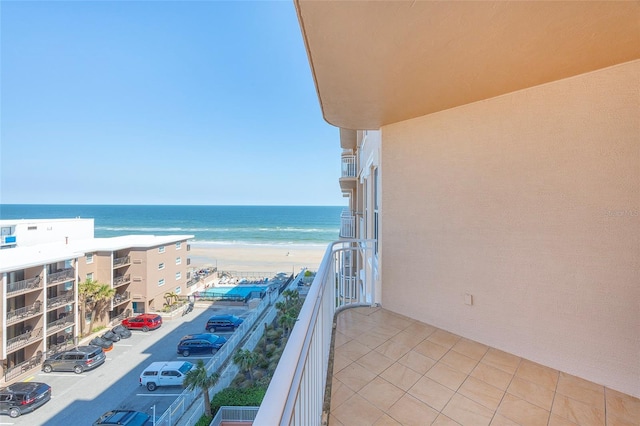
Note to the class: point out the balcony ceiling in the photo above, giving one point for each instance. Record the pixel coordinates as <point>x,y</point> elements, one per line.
<point>380,62</point>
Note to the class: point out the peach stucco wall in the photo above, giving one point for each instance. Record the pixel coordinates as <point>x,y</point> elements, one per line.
<point>529,202</point>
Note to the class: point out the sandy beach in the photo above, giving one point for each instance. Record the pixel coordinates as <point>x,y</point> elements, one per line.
<point>264,260</point>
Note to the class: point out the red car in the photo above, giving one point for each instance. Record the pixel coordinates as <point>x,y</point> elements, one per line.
<point>144,322</point>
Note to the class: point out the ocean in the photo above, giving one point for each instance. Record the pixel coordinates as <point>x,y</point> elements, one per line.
<point>264,225</point>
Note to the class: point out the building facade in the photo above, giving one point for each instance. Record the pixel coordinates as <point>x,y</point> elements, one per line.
<point>492,149</point>
<point>42,265</point>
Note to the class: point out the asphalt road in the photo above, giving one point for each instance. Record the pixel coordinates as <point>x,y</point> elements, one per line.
<point>79,399</point>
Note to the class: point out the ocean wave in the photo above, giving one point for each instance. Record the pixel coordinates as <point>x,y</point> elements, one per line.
<point>206,243</point>
<point>189,229</point>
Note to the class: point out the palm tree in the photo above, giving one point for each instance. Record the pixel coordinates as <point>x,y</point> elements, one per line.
<point>245,359</point>
<point>94,297</point>
<point>287,321</point>
<point>197,377</point>
<point>171,298</point>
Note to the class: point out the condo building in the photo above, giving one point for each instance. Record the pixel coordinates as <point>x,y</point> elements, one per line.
<point>43,262</point>
<point>491,162</point>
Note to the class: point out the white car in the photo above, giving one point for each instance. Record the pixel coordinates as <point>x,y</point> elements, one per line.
<point>164,373</point>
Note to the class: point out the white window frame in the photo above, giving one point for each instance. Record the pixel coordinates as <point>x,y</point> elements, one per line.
<point>178,275</point>
<point>178,260</point>
<point>89,258</point>
<point>90,276</point>
<point>160,266</point>
<point>160,282</point>
<point>178,245</point>
<point>161,249</point>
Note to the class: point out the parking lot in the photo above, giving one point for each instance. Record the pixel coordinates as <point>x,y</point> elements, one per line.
<point>79,399</point>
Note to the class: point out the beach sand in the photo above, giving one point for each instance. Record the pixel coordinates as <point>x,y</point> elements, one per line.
<point>265,260</point>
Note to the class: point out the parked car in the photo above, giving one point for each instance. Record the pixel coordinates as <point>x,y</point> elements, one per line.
<point>123,417</point>
<point>200,344</point>
<point>223,322</point>
<point>79,359</point>
<point>23,397</point>
<point>122,331</point>
<point>105,344</point>
<point>110,335</point>
<point>164,373</point>
<point>144,322</point>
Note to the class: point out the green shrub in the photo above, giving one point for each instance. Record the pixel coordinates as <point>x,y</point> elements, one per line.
<point>273,335</point>
<point>271,348</point>
<point>263,362</point>
<point>204,421</point>
<point>238,380</point>
<point>249,397</point>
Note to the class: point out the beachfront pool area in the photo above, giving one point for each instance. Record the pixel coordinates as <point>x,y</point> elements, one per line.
<point>239,291</point>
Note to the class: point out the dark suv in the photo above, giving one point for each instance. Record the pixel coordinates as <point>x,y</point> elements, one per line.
<point>223,322</point>
<point>200,344</point>
<point>123,417</point>
<point>78,359</point>
<point>144,322</point>
<point>23,397</point>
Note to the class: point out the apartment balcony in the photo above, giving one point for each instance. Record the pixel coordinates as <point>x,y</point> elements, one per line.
<point>61,276</point>
<point>62,300</point>
<point>24,286</point>
<point>121,298</point>
<point>347,224</point>
<point>121,280</point>
<point>59,324</point>
<point>349,172</point>
<point>121,261</point>
<point>386,368</point>
<point>27,337</point>
<point>24,313</point>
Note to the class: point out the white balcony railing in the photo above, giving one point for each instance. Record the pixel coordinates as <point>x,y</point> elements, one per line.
<point>349,168</point>
<point>346,277</point>
<point>347,224</point>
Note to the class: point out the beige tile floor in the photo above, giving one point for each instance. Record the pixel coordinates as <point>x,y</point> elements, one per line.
<point>392,370</point>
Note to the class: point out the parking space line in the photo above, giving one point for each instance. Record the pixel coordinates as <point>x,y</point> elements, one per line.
<point>63,375</point>
<point>158,394</point>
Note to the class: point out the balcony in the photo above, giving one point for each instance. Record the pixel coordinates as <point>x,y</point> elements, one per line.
<point>24,286</point>
<point>386,368</point>
<point>61,276</point>
<point>347,224</point>
<point>121,261</point>
<point>26,337</point>
<point>349,172</point>
<point>62,300</point>
<point>296,392</point>
<point>59,324</point>
<point>121,298</point>
<point>121,280</point>
<point>24,313</point>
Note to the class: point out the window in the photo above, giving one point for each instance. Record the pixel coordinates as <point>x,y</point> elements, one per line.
<point>161,249</point>
<point>90,258</point>
<point>90,276</point>
<point>178,245</point>
<point>178,290</point>
<point>160,282</point>
<point>161,266</point>
<point>178,260</point>
<point>178,275</point>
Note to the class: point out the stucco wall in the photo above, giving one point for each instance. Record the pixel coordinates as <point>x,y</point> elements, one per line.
<point>530,202</point>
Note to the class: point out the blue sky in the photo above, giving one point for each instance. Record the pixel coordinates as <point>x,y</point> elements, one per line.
<point>157,102</point>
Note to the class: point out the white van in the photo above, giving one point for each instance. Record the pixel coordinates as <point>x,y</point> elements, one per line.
<point>164,373</point>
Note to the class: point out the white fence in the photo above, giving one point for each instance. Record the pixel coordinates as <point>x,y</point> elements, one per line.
<point>347,277</point>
